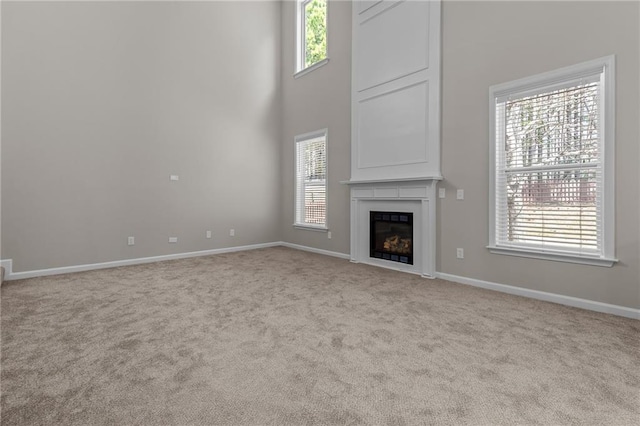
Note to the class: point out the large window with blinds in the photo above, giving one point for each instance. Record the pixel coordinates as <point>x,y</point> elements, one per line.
<point>552,165</point>
<point>311,180</point>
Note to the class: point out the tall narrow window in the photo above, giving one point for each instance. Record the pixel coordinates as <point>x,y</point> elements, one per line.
<point>311,180</point>
<point>312,33</point>
<point>552,165</point>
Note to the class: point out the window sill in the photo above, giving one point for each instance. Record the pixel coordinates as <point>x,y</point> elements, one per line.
<point>554,256</point>
<point>321,228</point>
<point>311,68</point>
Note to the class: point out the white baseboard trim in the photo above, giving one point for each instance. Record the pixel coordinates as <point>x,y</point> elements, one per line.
<point>575,302</point>
<point>315,250</point>
<point>622,311</point>
<point>6,264</point>
<point>9,275</point>
<point>390,266</point>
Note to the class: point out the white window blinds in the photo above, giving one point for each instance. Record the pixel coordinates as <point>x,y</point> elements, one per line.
<point>311,182</point>
<point>549,166</point>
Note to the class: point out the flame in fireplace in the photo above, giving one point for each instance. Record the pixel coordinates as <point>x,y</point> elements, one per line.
<point>395,244</point>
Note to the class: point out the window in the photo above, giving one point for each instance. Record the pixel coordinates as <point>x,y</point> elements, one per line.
<point>312,34</point>
<point>552,140</point>
<point>311,180</point>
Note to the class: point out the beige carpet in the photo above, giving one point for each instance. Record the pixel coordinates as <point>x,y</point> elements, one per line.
<point>283,337</point>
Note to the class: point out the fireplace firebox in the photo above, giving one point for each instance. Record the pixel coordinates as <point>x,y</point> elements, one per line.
<point>391,236</point>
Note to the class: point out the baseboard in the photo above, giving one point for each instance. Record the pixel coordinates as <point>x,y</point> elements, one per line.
<point>315,250</point>
<point>6,264</point>
<point>104,265</point>
<point>622,311</point>
<point>10,275</point>
<point>575,302</point>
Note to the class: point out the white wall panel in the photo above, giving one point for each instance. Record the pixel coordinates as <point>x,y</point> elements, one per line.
<point>395,90</point>
<point>393,128</point>
<point>365,5</point>
<point>392,44</point>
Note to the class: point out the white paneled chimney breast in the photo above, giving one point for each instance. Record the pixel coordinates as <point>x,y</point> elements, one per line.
<point>395,145</point>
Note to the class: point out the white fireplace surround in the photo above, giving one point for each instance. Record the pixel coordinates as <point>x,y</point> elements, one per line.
<point>411,196</point>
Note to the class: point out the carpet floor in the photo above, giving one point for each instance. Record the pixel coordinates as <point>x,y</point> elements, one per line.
<point>284,337</point>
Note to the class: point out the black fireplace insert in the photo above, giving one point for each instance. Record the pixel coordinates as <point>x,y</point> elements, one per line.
<point>391,236</point>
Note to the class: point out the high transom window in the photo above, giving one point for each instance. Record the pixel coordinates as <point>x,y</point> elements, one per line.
<point>311,34</point>
<point>552,168</point>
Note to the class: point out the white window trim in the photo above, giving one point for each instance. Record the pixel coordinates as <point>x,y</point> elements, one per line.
<point>300,138</point>
<point>313,67</point>
<point>554,80</point>
<point>300,70</point>
<point>311,227</point>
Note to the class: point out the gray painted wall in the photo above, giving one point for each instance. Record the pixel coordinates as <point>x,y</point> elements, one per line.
<point>103,101</point>
<point>318,100</point>
<point>1,134</point>
<point>486,43</point>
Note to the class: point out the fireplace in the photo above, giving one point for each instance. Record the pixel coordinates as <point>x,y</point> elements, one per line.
<point>391,236</point>
<point>413,202</point>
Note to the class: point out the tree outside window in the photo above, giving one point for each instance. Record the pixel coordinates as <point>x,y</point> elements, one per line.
<point>551,169</point>
<point>312,32</point>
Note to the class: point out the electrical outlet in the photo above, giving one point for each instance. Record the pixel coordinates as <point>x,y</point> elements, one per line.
<point>173,239</point>
<point>460,194</point>
<point>174,177</point>
<point>442,192</point>
<point>460,253</point>
<point>329,235</point>
<point>131,241</point>
<point>208,234</point>
<point>232,232</point>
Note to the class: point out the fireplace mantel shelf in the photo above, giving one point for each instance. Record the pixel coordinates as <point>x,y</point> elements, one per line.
<point>375,181</point>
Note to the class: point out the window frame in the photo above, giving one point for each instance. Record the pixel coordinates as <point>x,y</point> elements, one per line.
<point>322,133</point>
<point>569,76</point>
<point>300,44</point>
